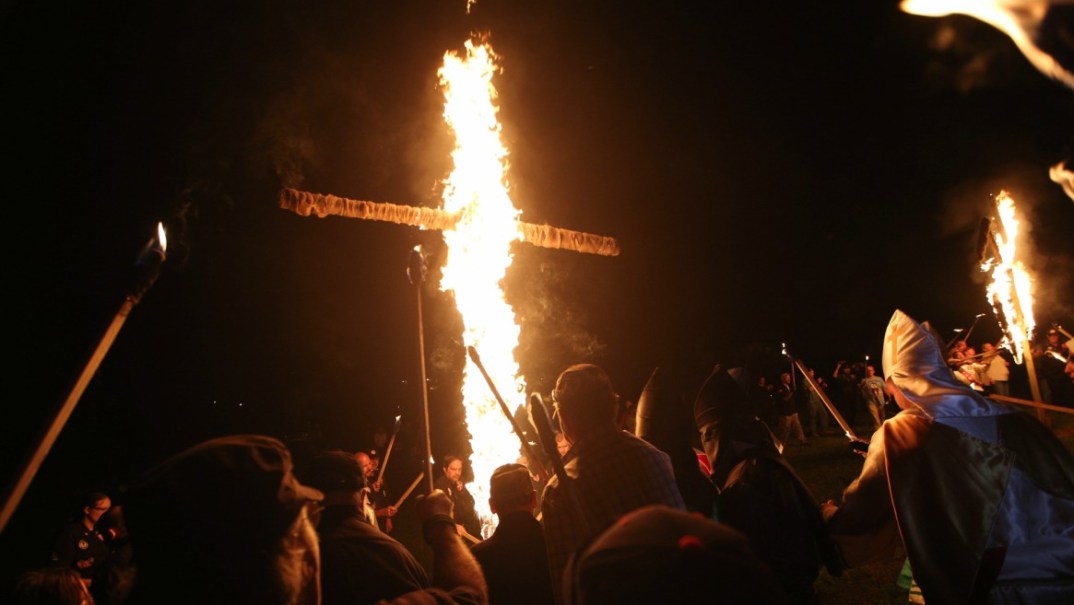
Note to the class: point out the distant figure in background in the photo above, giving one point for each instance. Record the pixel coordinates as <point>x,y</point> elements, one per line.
<point>376,497</point>
<point>359,563</point>
<point>817,418</point>
<point>1056,386</point>
<point>465,510</point>
<point>846,391</point>
<point>611,471</point>
<point>872,392</point>
<point>788,424</point>
<point>80,545</point>
<point>658,554</point>
<point>979,495</point>
<point>51,586</point>
<point>999,370</point>
<point>514,557</point>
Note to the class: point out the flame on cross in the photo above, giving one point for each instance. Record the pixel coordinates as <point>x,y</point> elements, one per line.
<point>478,255</point>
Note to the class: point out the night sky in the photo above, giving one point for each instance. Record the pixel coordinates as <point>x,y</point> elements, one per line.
<point>772,173</point>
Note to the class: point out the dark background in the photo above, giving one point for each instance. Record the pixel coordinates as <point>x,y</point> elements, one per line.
<point>772,173</point>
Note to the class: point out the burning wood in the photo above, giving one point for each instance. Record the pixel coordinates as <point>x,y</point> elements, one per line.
<point>305,203</point>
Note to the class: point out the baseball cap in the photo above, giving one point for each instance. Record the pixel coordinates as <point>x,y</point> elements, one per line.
<point>220,498</point>
<point>658,554</point>
<point>509,482</point>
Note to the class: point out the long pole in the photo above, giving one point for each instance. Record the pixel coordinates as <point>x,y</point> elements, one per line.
<point>416,273</point>
<point>531,454</point>
<point>147,268</point>
<point>827,402</point>
<point>388,450</point>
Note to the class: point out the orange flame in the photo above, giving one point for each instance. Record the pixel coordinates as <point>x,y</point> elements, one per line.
<point>478,257</point>
<point>1021,20</point>
<point>1010,291</point>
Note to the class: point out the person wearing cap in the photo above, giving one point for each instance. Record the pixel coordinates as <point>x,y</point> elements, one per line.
<point>979,496</point>
<point>224,522</point>
<point>359,563</point>
<point>658,554</point>
<point>514,557</point>
<point>611,472</point>
<point>227,522</point>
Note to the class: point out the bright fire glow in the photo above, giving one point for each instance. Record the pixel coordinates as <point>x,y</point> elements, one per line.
<point>162,237</point>
<point>1020,19</point>
<point>477,260</point>
<point>1009,292</point>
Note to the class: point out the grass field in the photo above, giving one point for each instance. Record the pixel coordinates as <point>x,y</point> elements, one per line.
<point>827,466</point>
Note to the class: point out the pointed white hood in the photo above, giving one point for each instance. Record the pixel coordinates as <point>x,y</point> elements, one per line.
<point>913,359</point>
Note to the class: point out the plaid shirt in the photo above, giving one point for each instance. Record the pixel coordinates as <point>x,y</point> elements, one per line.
<point>613,473</point>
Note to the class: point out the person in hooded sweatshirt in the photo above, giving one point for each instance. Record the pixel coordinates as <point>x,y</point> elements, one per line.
<point>979,496</point>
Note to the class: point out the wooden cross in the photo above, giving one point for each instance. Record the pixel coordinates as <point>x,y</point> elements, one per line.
<point>305,203</point>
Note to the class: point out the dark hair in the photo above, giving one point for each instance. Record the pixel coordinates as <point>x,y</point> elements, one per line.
<point>51,586</point>
<point>584,392</point>
<point>449,458</point>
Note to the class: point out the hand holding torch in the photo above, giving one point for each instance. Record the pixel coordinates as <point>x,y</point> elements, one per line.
<point>388,451</point>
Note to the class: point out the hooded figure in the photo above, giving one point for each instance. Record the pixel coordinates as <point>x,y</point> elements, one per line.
<point>980,495</point>
<point>760,494</point>
<point>664,420</point>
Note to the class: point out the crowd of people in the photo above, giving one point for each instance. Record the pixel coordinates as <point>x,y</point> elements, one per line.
<point>977,496</point>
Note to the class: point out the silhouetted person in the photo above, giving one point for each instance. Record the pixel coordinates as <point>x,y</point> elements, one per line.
<point>514,558</point>
<point>51,586</point>
<point>611,472</point>
<point>759,493</point>
<point>359,563</point>
<point>660,555</point>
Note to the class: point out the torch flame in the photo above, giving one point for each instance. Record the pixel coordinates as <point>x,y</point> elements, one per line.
<point>162,237</point>
<point>1010,290</point>
<point>1022,20</point>
<point>478,257</point>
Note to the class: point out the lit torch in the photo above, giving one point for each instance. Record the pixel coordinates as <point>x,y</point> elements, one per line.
<point>146,269</point>
<point>478,255</point>
<point>1010,290</point>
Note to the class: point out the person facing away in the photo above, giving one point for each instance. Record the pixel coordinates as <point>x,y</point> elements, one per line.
<point>610,472</point>
<point>51,586</point>
<point>661,555</point>
<point>980,496</point>
<point>514,557</point>
<point>80,545</point>
<point>227,522</point>
<point>451,483</point>
<point>359,563</point>
<point>759,493</point>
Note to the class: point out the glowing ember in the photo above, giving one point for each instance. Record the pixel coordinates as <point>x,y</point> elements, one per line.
<point>1009,291</point>
<point>478,258</point>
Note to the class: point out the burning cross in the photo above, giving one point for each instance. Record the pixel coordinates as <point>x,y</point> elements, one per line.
<point>305,203</point>
<point>479,223</point>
